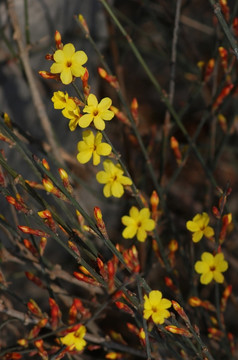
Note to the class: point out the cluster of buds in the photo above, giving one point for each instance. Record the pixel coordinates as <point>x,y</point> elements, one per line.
<point>111,79</point>
<point>37,328</point>
<point>215,333</point>
<point>130,257</point>
<point>39,344</point>
<point>174,144</point>
<point>207,69</point>
<point>48,219</point>
<point>77,308</point>
<point>18,203</point>
<point>108,272</point>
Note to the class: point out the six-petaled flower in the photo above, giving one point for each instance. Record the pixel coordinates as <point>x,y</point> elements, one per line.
<point>137,223</point>
<point>75,339</point>
<point>96,112</point>
<point>211,267</point>
<point>155,306</point>
<point>68,63</point>
<point>199,227</point>
<point>92,146</point>
<point>113,178</point>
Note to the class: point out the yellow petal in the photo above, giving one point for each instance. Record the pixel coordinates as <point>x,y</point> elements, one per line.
<point>84,156</point>
<point>107,190</point>
<point>59,56</point>
<point>104,149</point>
<point>99,123</point>
<point>196,237</point>
<point>92,100</point>
<point>85,120</point>
<point>208,258</point>
<point>141,234</point>
<point>96,158</point>
<point>102,177</point>
<point>104,104</point>
<point>129,232</point>
<point>68,51</point>
<point>66,76</point>
<point>88,137</point>
<point>192,226</point>
<point>155,296</point>
<point>206,278</point>
<point>201,267</point>
<point>208,232</point>
<point>117,189</point>
<point>218,277</point>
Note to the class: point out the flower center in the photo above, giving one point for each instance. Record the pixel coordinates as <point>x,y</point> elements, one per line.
<point>68,63</point>
<point>139,224</point>
<point>95,112</point>
<point>77,333</point>
<point>213,268</point>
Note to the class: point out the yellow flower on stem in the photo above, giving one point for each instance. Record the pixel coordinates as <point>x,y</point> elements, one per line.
<point>75,339</point>
<point>113,179</point>
<point>138,223</point>
<point>199,227</point>
<point>92,146</point>
<point>96,112</point>
<point>156,307</point>
<point>211,267</point>
<point>68,63</point>
<point>60,99</point>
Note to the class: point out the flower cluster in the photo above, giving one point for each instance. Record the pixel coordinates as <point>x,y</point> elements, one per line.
<point>210,267</point>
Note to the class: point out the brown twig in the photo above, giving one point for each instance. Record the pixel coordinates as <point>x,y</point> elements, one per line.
<point>38,103</point>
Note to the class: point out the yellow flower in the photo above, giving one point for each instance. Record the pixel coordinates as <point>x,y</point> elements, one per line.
<point>113,178</point>
<point>199,227</point>
<point>211,267</point>
<point>75,338</point>
<point>60,99</point>
<point>68,63</point>
<point>96,112</point>
<point>156,307</point>
<point>92,146</point>
<point>72,112</point>
<point>138,223</point>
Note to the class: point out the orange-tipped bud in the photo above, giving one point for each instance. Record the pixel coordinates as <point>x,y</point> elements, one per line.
<point>169,283</point>
<point>76,307</point>
<point>43,242</point>
<point>173,245</point>
<point>45,164</point>
<point>37,281</point>
<point>215,333</point>
<point>48,75</point>
<point>34,308</point>
<point>48,185</point>
<point>225,296</point>
<point>55,314</point>
<point>216,212</point>
<point>49,57</point>
<point>75,249</point>
<point>154,201</point>
<point>7,120</point>
<point>113,355</point>
<point>124,307</point>
<point>120,115</point>
<point>209,69</point>
<point>102,269</point>
<point>58,40</point>
<point>23,342</point>
<point>225,9</point>
<point>65,179</point>
<point>37,328</point>
<point>180,311</point>
<point>12,356</point>
<point>100,223</point>
<point>131,259</point>
<point>111,79</point>
<point>222,122</point>
<point>28,230</point>
<point>195,302</point>
<point>224,57</point>
<point>88,280</point>
<point>30,247</point>
<point>80,218</point>
<point>179,331</point>
<point>235,26</point>
<point>19,205</point>
<point>175,147</point>
<point>45,214</point>
<point>83,23</point>
<point>223,94</point>
<point>226,221</point>
<point>134,110</point>
<point>111,275</point>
